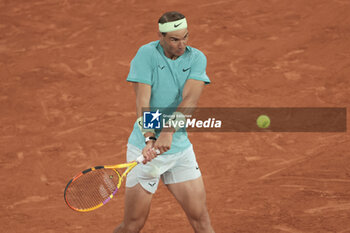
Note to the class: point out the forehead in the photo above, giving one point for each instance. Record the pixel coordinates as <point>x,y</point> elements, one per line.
<point>177,34</point>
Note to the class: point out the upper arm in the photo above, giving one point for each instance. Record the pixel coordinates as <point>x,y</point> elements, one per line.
<point>196,79</point>
<point>141,67</point>
<point>141,72</point>
<point>198,68</point>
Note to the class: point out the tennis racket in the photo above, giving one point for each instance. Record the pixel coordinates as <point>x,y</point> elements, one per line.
<point>94,187</point>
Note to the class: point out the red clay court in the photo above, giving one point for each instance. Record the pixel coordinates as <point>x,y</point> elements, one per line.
<point>66,106</point>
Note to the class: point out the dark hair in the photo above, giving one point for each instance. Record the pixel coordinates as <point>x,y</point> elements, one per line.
<point>170,17</point>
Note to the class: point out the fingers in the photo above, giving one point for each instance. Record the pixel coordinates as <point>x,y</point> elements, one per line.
<point>157,151</point>
<point>163,142</point>
<point>149,154</point>
<point>161,146</point>
<point>162,149</point>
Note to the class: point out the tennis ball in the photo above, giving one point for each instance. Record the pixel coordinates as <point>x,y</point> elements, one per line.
<point>263,121</point>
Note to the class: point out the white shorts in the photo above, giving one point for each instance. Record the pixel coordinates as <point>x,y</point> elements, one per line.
<point>172,168</point>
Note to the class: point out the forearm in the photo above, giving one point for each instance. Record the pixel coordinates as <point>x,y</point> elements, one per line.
<point>140,105</point>
<point>185,108</point>
<point>142,102</point>
<point>188,105</point>
<point>143,95</point>
<point>191,94</point>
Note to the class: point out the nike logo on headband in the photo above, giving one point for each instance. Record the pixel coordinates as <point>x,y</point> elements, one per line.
<point>176,25</point>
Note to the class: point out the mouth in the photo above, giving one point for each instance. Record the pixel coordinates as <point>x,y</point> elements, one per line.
<point>181,51</point>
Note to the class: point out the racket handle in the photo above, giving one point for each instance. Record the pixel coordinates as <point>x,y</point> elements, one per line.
<point>141,158</point>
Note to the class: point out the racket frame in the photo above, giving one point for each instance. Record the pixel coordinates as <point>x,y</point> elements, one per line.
<point>128,166</point>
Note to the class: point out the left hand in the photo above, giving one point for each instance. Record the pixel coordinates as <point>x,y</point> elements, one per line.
<point>163,142</point>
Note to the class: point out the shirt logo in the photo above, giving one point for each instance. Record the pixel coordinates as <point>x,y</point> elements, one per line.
<point>151,120</point>
<point>184,70</point>
<point>176,25</point>
<point>161,67</point>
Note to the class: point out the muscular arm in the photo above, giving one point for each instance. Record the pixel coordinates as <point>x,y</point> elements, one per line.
<point>190,96</point>
<point>143,96</point>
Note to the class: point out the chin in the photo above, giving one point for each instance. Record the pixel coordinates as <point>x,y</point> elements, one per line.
<point>180,53</point>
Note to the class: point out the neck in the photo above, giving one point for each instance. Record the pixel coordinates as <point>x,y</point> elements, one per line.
<point>173,57</point>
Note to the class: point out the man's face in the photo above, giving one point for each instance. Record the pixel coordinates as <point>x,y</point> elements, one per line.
<point>174,43</point>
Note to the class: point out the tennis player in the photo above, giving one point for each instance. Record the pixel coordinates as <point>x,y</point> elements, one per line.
<point>166,73</point>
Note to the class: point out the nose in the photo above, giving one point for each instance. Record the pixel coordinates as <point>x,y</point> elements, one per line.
<point>182,44</point>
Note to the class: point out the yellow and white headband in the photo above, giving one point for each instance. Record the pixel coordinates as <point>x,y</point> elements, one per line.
<point>173,26</point>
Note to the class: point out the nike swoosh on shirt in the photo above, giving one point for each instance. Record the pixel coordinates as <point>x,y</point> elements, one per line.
<point>184,70</point>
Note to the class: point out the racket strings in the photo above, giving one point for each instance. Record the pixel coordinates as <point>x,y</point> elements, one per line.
<point>92,188</point>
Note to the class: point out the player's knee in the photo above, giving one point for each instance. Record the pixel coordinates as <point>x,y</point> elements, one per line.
<point>200,220</point>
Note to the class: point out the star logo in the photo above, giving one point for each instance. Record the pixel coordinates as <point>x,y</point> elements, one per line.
<point>152,120</point>
<point>156,115</point>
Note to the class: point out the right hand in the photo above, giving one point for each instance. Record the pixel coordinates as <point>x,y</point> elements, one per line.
<point>147,152</point>
<point>163,142</point>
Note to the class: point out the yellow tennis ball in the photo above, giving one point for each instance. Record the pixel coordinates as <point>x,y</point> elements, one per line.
<point>263,121</point>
